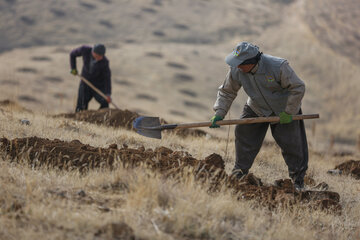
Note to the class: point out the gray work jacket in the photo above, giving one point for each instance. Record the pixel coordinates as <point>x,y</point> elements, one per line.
<point>272,88</point>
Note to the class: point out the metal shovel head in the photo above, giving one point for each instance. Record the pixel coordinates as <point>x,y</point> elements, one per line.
<point>148,126</point>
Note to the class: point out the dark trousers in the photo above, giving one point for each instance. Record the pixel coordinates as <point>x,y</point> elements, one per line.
<point>290,137</point>
<point>85,95</point>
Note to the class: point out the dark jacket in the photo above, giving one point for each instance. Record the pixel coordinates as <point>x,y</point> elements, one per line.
<point>98,73</point>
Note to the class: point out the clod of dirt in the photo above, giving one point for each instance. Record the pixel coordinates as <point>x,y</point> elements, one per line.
<point>74,155</point>
<point>116,231</point>
<point>323,186</point>
<point>104,208</point>
<point>81,193</point>
<point>24,122</point>
<point>215,160</point>
<point>351,167</point>
<point>122,118</point>
<point>334,172</point>
<point>309,181</point>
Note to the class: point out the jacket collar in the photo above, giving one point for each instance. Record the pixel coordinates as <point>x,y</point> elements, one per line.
<point>260,68</point>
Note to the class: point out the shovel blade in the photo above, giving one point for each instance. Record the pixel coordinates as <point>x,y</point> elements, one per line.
<point>148,126</point>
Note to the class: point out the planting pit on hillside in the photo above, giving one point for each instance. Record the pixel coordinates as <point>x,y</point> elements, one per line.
<point>9,104</point>
<point>122,118</point>
<point>39,152</point>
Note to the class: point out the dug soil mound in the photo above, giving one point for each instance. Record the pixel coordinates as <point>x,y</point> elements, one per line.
<point>121,118</point>
<point>74,155</point>
<point>351,167</point>
<point>107,117</point>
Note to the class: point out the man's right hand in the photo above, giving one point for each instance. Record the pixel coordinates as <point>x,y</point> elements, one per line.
<point>74,71</point>
<point>213,121</point>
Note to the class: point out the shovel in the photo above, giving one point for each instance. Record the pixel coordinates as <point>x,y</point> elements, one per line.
<point>96,90</point>
<point>151,127</point>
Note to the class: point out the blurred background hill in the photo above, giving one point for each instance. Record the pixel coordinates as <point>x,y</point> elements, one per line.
<point>167,56</point>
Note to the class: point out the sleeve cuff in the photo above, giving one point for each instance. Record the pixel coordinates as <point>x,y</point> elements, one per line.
<point>220,113</point>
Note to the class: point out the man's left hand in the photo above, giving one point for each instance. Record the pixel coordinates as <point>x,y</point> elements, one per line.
<point>285,118</point>
<point>213,121</point>
<point>108,98</point>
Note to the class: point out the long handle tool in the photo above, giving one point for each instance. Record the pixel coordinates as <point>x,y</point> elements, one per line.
<point>151,127</point>
<point>97,90</point>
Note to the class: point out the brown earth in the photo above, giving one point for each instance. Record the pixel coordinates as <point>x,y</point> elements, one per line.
<point>121,118</point>
<point>116,230</point>
<point>107,117</point>
<point>74,155</point>
<point>351,167</point>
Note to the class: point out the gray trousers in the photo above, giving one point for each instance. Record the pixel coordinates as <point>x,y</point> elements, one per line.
<point>290,137</point>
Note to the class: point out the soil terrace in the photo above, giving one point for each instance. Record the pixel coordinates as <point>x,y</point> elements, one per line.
<point>74,155</point>
<point>121,118</point>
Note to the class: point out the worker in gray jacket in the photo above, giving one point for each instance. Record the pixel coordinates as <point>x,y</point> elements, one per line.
<point>273,89</point>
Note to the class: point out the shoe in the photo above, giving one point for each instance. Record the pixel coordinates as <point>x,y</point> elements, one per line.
<point>239,174</point>
<point>299,186</point>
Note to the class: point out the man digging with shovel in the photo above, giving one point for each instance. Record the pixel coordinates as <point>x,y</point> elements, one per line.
<point>273,89</point>
<point>96,71</point>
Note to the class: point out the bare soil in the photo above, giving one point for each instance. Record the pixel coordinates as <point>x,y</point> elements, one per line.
<point>74,155</point>
<point>106,117</point>
<point>121,118</point>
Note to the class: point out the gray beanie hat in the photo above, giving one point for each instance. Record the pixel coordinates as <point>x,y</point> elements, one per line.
<point>243,51</point>
<point>99,49</point>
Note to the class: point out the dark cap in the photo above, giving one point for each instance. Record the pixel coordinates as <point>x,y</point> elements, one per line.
<point>242,52</point>
<point>99,49</point>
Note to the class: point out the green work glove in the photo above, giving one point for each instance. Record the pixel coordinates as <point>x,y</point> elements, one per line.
<point>213,121</point>
<point>74,72</point>
<point>285,118</point>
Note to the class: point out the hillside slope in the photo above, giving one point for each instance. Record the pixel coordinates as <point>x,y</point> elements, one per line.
<point>167,57</point>
<point>38,23</point>
<point>335,23</point>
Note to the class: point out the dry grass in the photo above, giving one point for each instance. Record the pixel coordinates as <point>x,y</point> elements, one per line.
<point>43,203</point>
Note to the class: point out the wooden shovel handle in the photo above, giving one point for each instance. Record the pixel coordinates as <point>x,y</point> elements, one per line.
<point>246,121</point>
<point>96,90</point>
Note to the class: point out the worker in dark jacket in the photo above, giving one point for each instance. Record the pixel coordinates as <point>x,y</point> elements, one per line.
<point>274,90</point>
<point>96,70</point>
